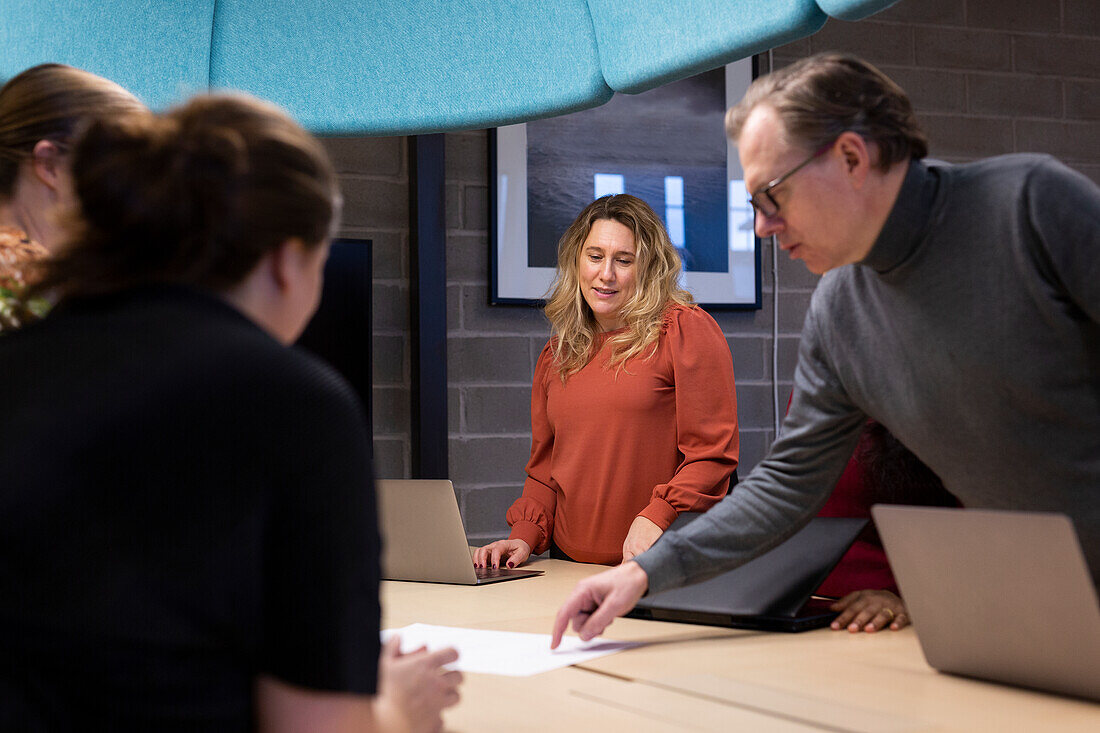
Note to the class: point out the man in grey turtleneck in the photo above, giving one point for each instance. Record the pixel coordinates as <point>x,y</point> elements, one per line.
<point>960,309</point>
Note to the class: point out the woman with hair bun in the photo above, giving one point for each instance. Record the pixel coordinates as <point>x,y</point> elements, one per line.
<point>633,411</point>
<point>40,110</point>
<point>189,526</point>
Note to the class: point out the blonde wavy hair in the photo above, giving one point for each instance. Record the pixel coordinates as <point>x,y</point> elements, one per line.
<point>657,274</point>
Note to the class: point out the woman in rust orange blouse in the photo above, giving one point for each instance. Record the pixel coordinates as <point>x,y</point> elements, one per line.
<point>633,409</point>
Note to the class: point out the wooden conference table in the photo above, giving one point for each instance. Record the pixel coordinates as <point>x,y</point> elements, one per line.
<point>703,678</point>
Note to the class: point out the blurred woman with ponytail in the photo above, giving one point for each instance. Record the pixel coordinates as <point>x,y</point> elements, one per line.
<point>40,111</point>
<point>187,520</point>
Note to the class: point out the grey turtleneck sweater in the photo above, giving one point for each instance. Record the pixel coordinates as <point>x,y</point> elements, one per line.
<point>972,332</point>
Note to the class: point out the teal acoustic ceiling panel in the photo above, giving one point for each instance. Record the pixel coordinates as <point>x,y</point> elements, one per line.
<point>647,44</point>
<point>393,66</point>
<point>160,51</point>
<point>853,9</point>
<point>387,67</point>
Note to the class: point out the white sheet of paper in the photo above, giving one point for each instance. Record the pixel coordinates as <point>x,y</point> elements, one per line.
<point>503,652</point>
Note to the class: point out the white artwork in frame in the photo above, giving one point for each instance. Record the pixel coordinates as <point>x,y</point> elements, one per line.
<point>666,146</point>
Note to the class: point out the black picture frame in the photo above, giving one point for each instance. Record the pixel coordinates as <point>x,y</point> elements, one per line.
<point>547,183</point>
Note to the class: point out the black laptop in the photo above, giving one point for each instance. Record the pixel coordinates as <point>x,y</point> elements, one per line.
<point>770,593</point>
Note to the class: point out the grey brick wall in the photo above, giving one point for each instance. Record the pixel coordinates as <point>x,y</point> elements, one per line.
<point>987,77</point>
<point>375,182</point>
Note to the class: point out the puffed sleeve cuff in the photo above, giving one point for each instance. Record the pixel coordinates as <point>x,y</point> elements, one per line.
<point>530,533</point>
<point>532,516</point>
<point>660,512</point>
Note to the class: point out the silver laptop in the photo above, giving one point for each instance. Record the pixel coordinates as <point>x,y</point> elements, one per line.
<point>997,595</point>
<point>423,538</point>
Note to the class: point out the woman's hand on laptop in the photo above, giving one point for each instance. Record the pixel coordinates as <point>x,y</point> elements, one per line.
<point>510,553</point>
<point>870,611</point>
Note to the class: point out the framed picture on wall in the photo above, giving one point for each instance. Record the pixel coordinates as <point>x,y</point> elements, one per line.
<point>666,146</point>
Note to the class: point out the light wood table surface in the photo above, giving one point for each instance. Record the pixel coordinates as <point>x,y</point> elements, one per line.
<point>703,678</point>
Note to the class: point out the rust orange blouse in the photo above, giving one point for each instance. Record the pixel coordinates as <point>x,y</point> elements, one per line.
<point>654,439</point>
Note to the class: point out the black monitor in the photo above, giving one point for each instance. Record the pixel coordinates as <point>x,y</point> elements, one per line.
<point>340,332</point>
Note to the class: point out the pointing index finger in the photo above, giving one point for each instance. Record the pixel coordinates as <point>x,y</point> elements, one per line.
<point>569,609</point>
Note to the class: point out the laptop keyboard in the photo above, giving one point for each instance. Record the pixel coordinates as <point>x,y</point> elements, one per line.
<point>487,573</point>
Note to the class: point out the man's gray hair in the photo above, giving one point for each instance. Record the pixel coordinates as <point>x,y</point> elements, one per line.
<point>824,95</point>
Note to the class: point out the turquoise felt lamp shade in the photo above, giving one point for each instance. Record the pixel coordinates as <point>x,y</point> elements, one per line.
<point>645,45</point>
<point>389,67</point>
<point>160,51</point>
<point>853,9</point>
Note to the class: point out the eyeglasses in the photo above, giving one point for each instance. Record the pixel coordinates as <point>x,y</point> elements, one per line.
<point>764,202</point>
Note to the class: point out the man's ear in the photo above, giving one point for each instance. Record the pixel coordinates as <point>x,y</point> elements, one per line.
<point>46,163</point>
<point>856,154</point>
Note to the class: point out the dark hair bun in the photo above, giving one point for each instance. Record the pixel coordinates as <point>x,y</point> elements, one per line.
<point>159,189</point>
<point>195,196</point>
